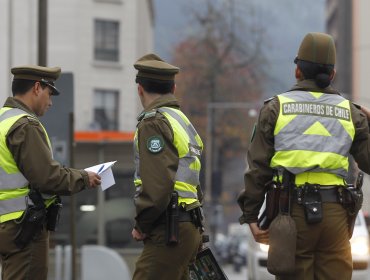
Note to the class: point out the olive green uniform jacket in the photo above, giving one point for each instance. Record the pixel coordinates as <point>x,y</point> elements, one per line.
<point>261,151</point>
<point>28,144</point>
<point>157,170</point>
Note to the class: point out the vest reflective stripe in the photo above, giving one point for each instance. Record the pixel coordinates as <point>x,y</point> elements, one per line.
<point>10,181</point>
<point>185,173</point>
<point>307,126</point>
<point>11,112</point>
<point>189,146</point>
<point>12,205</point>
<point>13,185</point>
<point>189,164</point>
<point>10,176</point>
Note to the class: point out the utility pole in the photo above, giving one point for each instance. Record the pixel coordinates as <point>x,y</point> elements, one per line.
<point>42,32</point>
<point>10,43</point>
<point>72,200</point>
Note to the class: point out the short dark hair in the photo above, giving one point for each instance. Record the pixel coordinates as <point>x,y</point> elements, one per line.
<point>156,86</point>
<point>21,86</point>
<point>315,71</point>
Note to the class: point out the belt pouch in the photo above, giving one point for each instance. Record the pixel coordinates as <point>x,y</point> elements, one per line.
<point>312,204</point>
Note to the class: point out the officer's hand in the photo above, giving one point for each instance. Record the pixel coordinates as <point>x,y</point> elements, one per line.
<point>260,236</point>
<point>137,235</point>
<point>94,179</point>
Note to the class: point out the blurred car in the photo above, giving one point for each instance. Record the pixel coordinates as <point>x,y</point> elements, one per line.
<point>257,254</point>
<point>360,249</point>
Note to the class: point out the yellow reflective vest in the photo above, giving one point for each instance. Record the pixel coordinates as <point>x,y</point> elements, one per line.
<point>313,136</point>
<point>189,146</point>
<point>14,187</point>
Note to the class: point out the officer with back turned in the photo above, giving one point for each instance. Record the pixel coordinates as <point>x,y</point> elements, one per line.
<point>168,195</point>
<point>305,136</point>
<point>30,180</point>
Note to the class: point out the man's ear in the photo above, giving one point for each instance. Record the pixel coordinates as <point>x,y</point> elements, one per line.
<point>37,88</point>
<point>298,74</point>
<point>332,75</point>
<point>140,90</point>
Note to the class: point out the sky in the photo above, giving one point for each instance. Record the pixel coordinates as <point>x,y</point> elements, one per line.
<point>286,23</point>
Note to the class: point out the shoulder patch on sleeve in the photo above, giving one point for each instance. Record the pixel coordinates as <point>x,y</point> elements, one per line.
<point>155,144</point>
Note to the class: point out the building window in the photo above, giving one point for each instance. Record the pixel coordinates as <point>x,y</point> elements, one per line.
<point>106,40</point>
<point>106,109</point>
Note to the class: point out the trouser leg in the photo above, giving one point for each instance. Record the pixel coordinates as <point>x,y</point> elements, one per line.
<point>323,249</point>
<point>333,258</point>
<point>159,261</point>
<point>28,263</point>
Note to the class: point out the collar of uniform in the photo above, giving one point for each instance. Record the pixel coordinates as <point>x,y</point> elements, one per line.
<point>15,103</point>
<point>166,100</point>
<point>310,85</point>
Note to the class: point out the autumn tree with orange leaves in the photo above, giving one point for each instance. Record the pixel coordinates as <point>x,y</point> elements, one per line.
<point>222,62</point>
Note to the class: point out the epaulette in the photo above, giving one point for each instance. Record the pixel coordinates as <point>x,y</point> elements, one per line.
<point>268,100</point>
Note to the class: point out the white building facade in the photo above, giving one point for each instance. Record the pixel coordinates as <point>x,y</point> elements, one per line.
<point>96,40</point>
<point>348,22</point>
<point>361,52</point>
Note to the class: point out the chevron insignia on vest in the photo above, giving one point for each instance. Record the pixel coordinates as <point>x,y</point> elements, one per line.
<point>317,129</point>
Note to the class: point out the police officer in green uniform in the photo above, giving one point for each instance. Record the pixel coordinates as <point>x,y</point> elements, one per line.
<point>27,165</point>
<point>167,156</point>
<point>309,131</point>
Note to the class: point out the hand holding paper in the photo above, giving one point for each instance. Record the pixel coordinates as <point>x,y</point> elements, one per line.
<point>105,172</point>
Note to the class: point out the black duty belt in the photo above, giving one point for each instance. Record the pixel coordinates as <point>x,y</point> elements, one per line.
<point>184,216</point>
<point>327,194</point>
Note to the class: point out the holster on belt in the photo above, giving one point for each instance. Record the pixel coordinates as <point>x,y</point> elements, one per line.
<point>197,217</point>
<point>351,198</point>
<point>277,199</point>
<point>172,220</point>
<point>32,221</point>
<point>53,214</point>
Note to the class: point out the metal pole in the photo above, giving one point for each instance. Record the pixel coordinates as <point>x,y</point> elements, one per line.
<point>10,43</point>
<point>42,35</point>
<point>101,202</point>
<point>72,200</point>
<point>209,148</point>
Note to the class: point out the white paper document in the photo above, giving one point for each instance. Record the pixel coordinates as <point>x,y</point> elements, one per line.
<point>105,172</point>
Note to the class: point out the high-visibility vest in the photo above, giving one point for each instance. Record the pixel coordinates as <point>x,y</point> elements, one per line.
<point>13,185</point>
<point>189,147</point>
<point>313,136</point>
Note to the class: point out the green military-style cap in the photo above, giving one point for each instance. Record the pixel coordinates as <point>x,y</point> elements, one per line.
<point>317,48</point>
<point>151,66</point>
<point>41,74</point>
